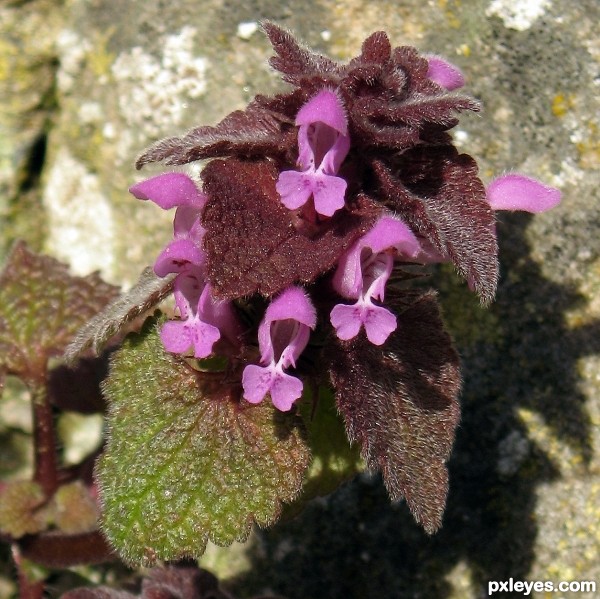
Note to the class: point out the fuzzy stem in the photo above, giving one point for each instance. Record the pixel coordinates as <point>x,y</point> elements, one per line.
<point>44,438</point>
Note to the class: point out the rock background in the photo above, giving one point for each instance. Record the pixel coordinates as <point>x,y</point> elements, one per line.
<point>85,85</point>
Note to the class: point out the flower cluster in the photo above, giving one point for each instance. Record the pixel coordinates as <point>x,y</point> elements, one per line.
<point>204,319</point>
<point>315,198</point>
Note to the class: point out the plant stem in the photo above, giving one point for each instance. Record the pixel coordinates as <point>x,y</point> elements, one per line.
<point>56,550</point>
<point>27,589</point>
<point>44,439</point>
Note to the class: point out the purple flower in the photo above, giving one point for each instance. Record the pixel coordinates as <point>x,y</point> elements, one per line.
<point>282,336</point>
<point>204,320</point>
<point>518,192</point>
<point>323,143</point>
<point>362,274</point>
<point>177,190</point>
<point>444,73</point>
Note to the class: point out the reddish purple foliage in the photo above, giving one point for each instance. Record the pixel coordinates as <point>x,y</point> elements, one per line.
<point>299,182</point>
<point>251,242</point>
<point>399,402</point>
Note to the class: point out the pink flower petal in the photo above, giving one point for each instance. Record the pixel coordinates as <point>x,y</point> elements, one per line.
<point>518,192</point>
<point>256,381</point>
<point>328,192</point>
<point>203,336</point>
<point>175,336</point>
<point>219,313</point>
<point>391,232</point>
<point>295,347</point>
<point>326,108</point>
<point>177,256</point>
<point>379,323</point>
<point>295,188</point>
<point>292,304</point>
<point>178,336</point>
<point>388,232</point>
<point>334,157</point>
<point>379,271</point>
<point>187,223</point>
<point>285,390</point>
<point>346,320</point>
<point>445,73</point>
<point>188,288</point>
<point>169,190</point>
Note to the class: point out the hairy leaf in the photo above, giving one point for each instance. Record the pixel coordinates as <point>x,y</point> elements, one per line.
<point>399,403</point>
<point>55,549</point>
<point>255,131</point>
<point>391,101</point>
<point>41,307</point>
<point>295,62</point>
<point>375,49</point>
<point>437,192</point>
<point>416,110</point>
<point>251,242</point>
<point>74,510</point>
<point>182,582</point>
<point>147,293</point>
<point>186,461</point>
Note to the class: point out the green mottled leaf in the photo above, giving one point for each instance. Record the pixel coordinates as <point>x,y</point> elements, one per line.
<point>41,307</point>
<point>186,461</point>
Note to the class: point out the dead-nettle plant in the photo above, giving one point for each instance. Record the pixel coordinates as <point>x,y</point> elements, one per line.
<point>300,349</point>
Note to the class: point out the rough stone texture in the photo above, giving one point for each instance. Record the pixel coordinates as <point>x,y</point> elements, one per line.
<point>106,78</point>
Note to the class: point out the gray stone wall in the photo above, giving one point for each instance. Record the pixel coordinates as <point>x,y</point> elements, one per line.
<point>85,85</point>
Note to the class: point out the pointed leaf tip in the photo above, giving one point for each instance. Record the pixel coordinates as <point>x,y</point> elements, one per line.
<point>399,403</point>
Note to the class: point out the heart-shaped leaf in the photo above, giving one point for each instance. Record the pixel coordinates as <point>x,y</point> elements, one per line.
<point>186,460</point>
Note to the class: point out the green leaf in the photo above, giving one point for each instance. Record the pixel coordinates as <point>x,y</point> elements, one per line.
<point>41,307</point>
<point>186,460</point>
<point>73,509</point>
<point>334,460</point>
<point>22,509</point>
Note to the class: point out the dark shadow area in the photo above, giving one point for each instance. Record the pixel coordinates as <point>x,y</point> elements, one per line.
<point>34,163</point>
<point>356,545</point>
